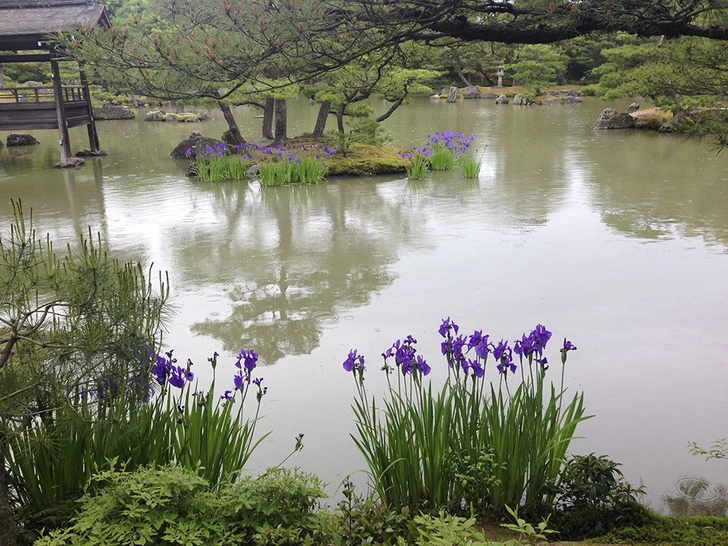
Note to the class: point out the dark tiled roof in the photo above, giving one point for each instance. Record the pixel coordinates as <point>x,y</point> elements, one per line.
<point>23,23</point>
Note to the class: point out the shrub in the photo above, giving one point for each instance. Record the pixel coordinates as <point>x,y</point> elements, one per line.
<point>593,497</point>
<point>173,505</point>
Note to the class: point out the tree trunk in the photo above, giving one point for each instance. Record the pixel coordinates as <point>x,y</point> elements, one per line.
<point>2,76</point>
<point>340,118</point>
<point>318,130</point>
<point>232,135</point>
<point>462,76</point>
<point>281,120</point>
<point>8,529</point>
<point>268,111</point>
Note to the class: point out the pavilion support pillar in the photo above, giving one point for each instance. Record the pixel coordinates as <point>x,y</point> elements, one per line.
<point>93,135</point>
<point>61,114</point>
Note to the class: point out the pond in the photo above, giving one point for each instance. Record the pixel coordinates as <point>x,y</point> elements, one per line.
<point>615,239</point>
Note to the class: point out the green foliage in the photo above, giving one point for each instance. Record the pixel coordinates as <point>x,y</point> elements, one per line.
<point>172,505</point>
<point>75,335</point>
<point>525,530</point>
<point>719,449</point>
<point>470,166</point>
<point>442,159</point>
<point>418,167</point>
<point>215,168</point>
<point>535,66</point>
<point>617,75</point>
<point>360,520</point>
<point>449,530</point>
<point>593,497</point>
<point>692,531</point>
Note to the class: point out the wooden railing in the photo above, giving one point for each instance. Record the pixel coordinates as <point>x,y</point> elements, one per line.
<point>70,93</point>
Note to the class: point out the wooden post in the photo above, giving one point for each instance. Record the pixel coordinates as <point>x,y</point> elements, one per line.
<point>93,135</point>
<point>60,112</point>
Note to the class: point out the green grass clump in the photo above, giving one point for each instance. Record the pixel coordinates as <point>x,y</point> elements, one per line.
<point>469,166</point>
<point>417,169</point>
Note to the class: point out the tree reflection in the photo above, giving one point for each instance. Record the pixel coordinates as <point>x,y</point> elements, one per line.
<point>289,259</point>
<point>695,496</point>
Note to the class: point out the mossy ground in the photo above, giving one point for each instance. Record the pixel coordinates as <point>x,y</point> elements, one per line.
<point>366,159</point>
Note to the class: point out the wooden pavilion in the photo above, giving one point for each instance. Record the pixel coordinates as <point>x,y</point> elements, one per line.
<point>27,29</point>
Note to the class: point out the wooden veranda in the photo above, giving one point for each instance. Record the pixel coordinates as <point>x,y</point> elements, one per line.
<point>26,35</point>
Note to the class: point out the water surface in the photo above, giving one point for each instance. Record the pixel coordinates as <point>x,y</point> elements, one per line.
<point>614,239</point>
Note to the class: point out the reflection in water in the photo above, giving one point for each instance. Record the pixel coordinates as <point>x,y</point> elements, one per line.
<point>695,496</point>
<point>308,252</point>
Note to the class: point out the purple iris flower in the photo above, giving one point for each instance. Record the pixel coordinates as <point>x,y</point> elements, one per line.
<point>422,365</point>
<point>446,325</point>
<point>568,346</point>
<point>541,335</point>
<point>239,379</point>
<point>160,369</point>
<point>249,359</point>
<point>178,377</point>
<point>354,361</point>
<point>228,396</point>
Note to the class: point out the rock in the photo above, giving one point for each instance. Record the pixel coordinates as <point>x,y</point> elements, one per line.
<point>155,115</point>
<point>72,162</point>
<point>89,153</point>
<point>452,95</point>
<point>113,111</point>
<point>196,145</point>
<point>520,100</point>
<point>502,99</point>
<point>611,119</point>
<point>188,117</point>
<point>21,139</point>
<point>633,108</point>
<point>488,95</point>
<point>681,122</point>
<point>471,93</point>
<point>170,117</point>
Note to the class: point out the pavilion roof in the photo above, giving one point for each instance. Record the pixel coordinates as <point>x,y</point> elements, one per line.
<point>27,24</point>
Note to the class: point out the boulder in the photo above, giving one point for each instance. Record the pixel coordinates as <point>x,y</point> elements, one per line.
<point>155,115</point>
<point>452,95</point>
<point>195,145</point>
<point>113,111</point>
<point>471,93</point>
<point>520,100</point>
<point>681,122</point>
<point>21,139</point>
<point>502,99</point>
<point>71,162</point>
<point>632,108</point>
<point>488,95</point>
<point>170,117</point>
<point>611,119</point>
<point>188,117</point>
